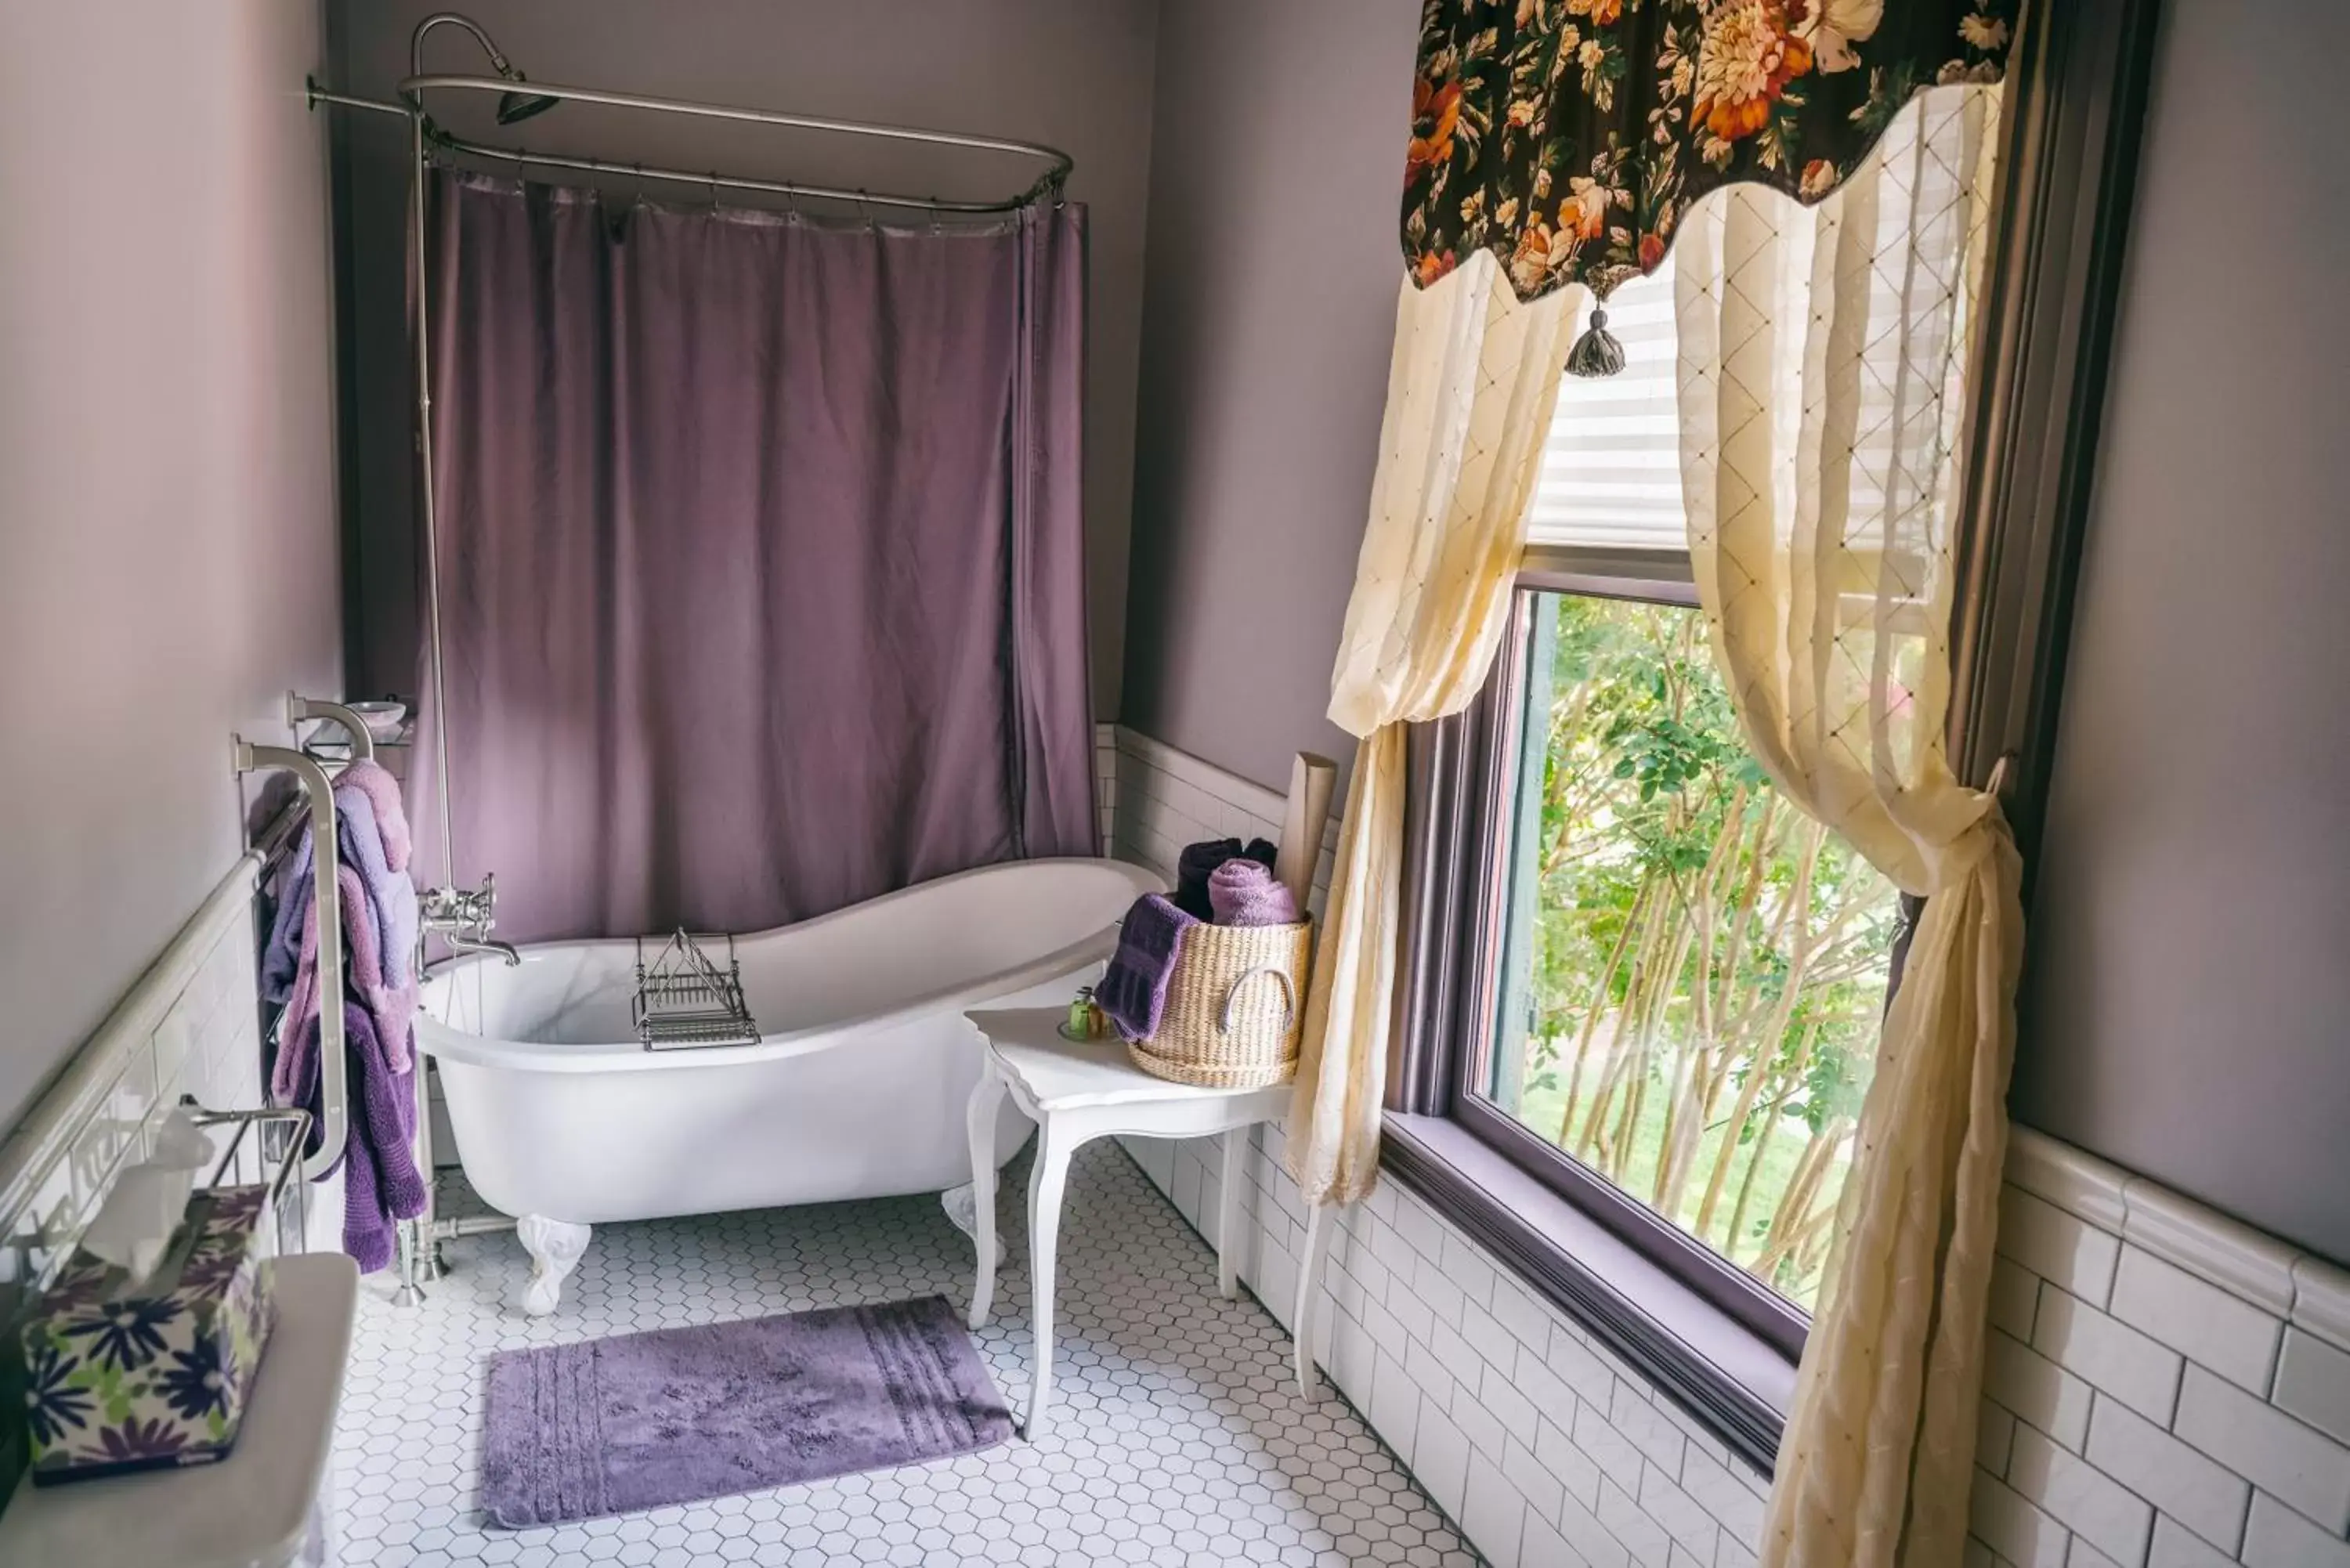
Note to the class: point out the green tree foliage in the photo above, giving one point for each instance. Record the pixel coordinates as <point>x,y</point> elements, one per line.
<point>1699,1013</point>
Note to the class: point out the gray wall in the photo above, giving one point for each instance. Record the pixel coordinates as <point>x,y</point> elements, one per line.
<point>1072,73</point>
<point>167,541</point>
<point>1276,188</point>
<point>2187,1007</point>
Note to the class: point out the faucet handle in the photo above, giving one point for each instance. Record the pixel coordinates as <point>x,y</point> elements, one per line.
<point>462,908</point>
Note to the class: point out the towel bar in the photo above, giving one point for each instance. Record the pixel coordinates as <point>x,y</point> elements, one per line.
<point>334,1127</point>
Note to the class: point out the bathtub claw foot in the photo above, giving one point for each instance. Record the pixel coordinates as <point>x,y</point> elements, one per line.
<point>554,1246</point>
<point>961,1204</point>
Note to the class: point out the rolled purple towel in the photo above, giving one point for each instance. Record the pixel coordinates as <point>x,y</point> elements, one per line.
<point>1133,992</point>
<point>1198,862</point>
<point>1244,893</point>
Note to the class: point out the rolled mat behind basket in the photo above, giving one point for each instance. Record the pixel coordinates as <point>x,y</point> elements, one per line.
<point>1235,1007</point>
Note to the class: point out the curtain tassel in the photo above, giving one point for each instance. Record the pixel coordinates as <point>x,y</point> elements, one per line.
<point>1596,352</point>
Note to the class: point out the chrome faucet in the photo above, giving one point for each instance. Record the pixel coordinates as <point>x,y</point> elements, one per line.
<point>464,916</point>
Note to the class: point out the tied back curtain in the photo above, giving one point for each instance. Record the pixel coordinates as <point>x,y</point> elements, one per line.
<point>1470,388</point>
<point>759,543</point>
<point>1821,478</point>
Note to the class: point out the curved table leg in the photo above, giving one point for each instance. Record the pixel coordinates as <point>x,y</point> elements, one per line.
<point>1228,1217</point>
<point>986,1100</point>
<point>1047,1181</point>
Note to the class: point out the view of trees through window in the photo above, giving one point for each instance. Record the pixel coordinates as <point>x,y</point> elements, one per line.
<point>1695,972</point>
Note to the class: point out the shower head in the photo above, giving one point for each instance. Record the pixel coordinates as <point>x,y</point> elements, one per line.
<point>515,107</point>
<point>512,106</point>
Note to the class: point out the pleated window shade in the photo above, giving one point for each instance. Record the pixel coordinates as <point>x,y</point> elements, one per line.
<point>1611,470</point>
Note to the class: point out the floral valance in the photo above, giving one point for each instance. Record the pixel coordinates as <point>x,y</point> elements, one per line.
<point>1569,136</point>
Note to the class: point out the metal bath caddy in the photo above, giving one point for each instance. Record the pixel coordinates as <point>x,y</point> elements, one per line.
<point>685,1001</point>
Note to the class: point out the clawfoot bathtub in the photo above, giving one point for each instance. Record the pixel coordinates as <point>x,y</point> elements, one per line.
<point>857,1087</point>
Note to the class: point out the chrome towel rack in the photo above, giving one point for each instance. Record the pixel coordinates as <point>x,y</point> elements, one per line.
<point>319,789</point>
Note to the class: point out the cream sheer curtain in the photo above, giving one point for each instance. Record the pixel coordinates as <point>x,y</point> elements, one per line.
<point>1470,388</point>
<point>1822,490</point>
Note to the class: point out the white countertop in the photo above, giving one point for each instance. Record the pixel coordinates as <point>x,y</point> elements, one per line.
<point>252,1508</point>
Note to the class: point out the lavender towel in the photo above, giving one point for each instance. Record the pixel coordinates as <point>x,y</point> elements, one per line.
<point>644,1420</point>
<point>380,1181</point>
<point>1133,992</point>
<point>383,792</point>
<point>1244,893</point>
<point>1198,862</point>
<point>391,894</point>
<point>391,1007</point>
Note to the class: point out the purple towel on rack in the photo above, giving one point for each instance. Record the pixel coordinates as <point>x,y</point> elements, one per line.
<point>360,844</point>
<point>391,1007</point>
<point>1133,992</point>
<point>382,793</point>
<point>1244,893</point>
<point>380,1181</point>
<point>1198,862</point>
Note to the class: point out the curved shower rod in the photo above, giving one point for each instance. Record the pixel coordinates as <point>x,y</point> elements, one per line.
<point>411,106</point>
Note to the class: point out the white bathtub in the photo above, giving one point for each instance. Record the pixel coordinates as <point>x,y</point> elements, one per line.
<point>856,1089</point>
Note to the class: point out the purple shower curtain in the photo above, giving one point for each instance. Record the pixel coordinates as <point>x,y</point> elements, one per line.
<point>761,578</point>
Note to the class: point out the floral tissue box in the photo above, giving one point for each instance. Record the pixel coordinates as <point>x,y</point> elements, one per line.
<point>157,1376</point>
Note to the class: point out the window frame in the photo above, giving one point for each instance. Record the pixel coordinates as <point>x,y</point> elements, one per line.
<point>2078,86</point>
<point>1457,804</point>
<point>1722,1283</point>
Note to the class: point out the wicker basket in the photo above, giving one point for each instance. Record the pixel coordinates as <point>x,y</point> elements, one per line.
<point>1235,1007</point>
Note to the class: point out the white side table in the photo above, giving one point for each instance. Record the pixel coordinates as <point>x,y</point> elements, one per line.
<point>1077,1093</point>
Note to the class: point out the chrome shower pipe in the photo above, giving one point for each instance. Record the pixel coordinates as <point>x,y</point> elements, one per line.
<point>521,157</point>
<point>428,509</point>
<point>420,1243</point>
<point>498,61</point>
<point>1058,163</point>
<point>316,94</point>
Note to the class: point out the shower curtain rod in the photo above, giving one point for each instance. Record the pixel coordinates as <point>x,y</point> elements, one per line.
<point>412,106</point>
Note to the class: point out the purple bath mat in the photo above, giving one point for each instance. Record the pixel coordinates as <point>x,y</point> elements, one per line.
<point>642,1420</point>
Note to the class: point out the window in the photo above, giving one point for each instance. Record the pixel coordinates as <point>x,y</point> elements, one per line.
<point>1668,981</point>
<point>1691,972</point>
<point>1632,979</point>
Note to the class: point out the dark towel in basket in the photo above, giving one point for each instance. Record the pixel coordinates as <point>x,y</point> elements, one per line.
<point>1134,990</point>
<point>1198,862</point>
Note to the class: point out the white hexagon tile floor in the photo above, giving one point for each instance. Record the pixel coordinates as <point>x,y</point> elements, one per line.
<point>1176,1437</point>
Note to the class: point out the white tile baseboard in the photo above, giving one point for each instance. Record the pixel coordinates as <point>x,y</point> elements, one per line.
<point>1160,799</point>
<point>190,1025</point>
<point>2170,1387</point>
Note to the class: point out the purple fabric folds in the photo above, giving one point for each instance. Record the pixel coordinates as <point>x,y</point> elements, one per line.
<point>763,585</point>
<point>380,992</point>
<point>360,842</point>
<point>391,816</point>
<point>1133,991</point>
<point>380,1181</point>
<point>392,1010</point>
<point>1244,893</point>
